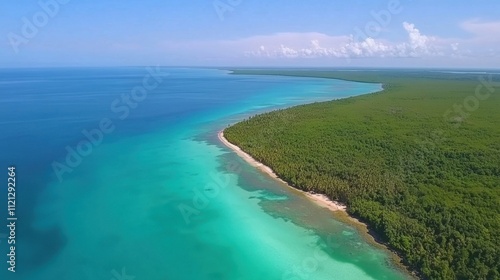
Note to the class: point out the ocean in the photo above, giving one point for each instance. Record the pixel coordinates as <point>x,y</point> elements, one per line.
<point>120,175</point>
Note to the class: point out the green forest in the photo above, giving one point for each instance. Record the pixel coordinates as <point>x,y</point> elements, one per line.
<point>419,162</point>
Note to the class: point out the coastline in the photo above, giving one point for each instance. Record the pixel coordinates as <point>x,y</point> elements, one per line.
<point>338,210</point>
<point>320,199</point>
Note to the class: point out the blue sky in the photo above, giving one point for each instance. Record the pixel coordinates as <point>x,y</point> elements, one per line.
<point>381,33</point>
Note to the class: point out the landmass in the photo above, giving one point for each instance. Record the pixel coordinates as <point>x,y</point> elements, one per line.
<point>418,162</point>
<point>318,198</point>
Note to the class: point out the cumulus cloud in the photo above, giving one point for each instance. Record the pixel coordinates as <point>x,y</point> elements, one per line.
<point>417,40</point>
<point>321,45</point>
<point>481,42</point>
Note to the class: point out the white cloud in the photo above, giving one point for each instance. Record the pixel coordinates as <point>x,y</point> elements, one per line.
<point>418,42</point>
<point>321,45</point>
<point>318,48</point>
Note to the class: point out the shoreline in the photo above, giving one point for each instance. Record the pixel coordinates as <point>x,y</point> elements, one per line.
<point>320,199</point>
<point>338,210</point>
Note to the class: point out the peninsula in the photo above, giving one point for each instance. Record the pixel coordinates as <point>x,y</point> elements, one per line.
<point>418,162</point>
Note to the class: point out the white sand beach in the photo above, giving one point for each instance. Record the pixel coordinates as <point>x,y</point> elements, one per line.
<point>319,199</point>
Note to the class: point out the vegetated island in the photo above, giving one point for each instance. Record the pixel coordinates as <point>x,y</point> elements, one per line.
<point>419,162</point>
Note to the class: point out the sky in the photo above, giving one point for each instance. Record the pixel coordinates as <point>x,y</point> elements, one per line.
<point>278,33</point>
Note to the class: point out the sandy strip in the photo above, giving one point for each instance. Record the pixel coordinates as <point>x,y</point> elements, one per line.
<point>320,199</point>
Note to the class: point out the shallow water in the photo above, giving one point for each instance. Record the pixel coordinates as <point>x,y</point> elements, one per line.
<point>159,197</point>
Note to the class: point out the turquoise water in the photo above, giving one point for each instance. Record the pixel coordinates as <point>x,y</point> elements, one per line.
<point>160,197</point>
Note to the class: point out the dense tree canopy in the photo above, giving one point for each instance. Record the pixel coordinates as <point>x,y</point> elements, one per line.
<point>423,173</point>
